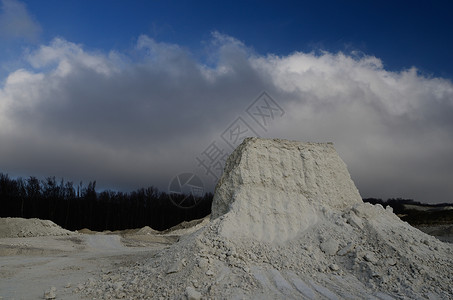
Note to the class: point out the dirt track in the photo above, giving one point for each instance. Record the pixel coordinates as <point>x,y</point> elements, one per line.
<point>30,266</point>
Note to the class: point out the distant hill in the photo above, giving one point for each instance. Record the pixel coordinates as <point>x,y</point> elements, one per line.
<point>416,213</point>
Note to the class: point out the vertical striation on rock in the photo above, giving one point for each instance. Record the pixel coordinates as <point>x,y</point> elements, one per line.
<point>271,188</point>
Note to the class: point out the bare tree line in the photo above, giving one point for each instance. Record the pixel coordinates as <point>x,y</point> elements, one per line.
<point>78,206</point>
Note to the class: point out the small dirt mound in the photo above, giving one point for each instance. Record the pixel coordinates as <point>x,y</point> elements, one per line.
<point>19,227</point>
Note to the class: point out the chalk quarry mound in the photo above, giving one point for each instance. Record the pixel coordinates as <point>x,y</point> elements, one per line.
<point>20,227</point>
<point>271,189</point>
<point>288,223</point>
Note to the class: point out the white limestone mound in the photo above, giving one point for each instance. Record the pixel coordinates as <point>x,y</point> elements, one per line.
<point>288,223</point>
<point>271,189</point>
<point>19,227</point>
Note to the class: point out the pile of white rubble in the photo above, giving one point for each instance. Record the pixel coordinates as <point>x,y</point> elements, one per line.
<point>288,223</point>
<point>19,227</point>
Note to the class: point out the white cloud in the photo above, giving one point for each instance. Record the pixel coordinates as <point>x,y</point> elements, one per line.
<point>16,22</point>
<point>66,55</point>
<point>133,120</point>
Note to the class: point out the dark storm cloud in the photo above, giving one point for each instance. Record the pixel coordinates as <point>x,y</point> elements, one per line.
<point>139,119</point>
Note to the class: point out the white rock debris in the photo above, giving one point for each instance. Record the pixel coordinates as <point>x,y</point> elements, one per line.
<point>50,293</point>
<point>19,227</point>
<point>288,223</point>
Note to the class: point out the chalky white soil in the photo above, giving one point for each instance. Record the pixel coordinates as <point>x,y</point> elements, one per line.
<point>18,227</point>
<point>287,223</point>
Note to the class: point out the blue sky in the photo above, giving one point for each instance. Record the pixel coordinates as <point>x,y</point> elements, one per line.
<point>401,33</point>
<point>130,93</point>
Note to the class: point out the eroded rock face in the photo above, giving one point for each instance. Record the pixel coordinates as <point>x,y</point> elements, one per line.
<point>271,188</point>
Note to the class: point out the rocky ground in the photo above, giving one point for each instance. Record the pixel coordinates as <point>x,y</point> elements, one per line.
<point>142,264</point>
<point>64,263</point>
